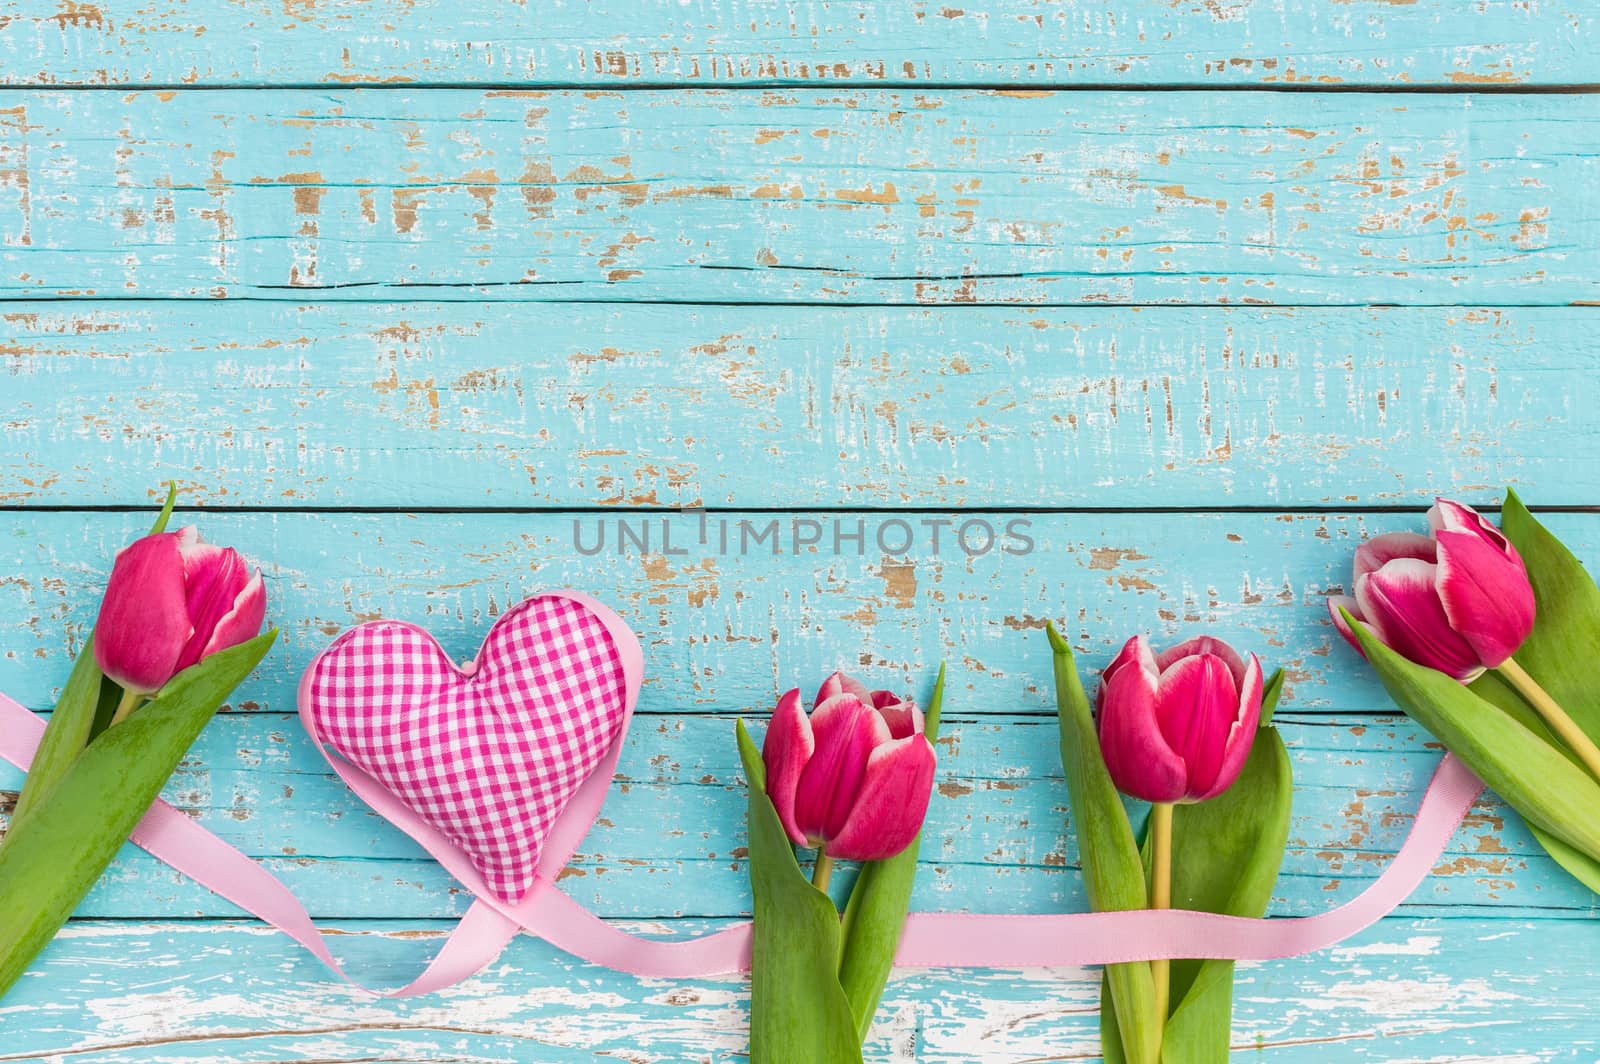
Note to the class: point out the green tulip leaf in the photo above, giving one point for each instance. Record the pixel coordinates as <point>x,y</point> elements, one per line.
<point>67,733</point>
<point>51,857</point>
<point>1493,688</point>
<point>798,1011</point>
<point>1579,865</point>
<point>110,696</point>
<point>1533,777</point>
<point>1113,874</point>
<point>1110,1025</point>
<point>1271,691</point>
<point>1225,859</point>
<point>1199,1031</point>
<point>876,913</point>
<point>1566,632</point>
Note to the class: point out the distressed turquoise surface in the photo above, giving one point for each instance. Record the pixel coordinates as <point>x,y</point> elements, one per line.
<point>535,405</point>
<point>802,195</point>
<point>620,42</point>
<point>1409,989</point>
<point>401,293</point>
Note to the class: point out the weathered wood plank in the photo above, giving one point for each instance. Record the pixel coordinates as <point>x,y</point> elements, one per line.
<point>726,629</point>
<point>467,404</point>
<point>800,195</point>
<point>1122,42</point>
<point>120,993</point>
<point>671,840</point>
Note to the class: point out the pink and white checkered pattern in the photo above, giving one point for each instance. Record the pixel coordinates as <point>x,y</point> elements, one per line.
<point>489,753</point>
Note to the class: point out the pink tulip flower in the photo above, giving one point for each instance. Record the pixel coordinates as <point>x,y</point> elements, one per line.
<point>171,601</point>
<point>1178,727</point>
<point>852,780</point>
<point>1457,600</point>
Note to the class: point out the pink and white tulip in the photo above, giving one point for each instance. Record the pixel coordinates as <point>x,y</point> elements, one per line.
<point>852,779</point>
<point>171,601</point>
<point>1178,727</point>
<point>1456,600</point>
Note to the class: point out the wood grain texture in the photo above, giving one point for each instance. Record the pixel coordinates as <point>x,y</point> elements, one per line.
<point>800,195</point>
<point>671,841</point>
<point>1439,990</point>
<point>582,260</point>
<point>538,405</point>
<point>726,631</point>
<point>623,42</point>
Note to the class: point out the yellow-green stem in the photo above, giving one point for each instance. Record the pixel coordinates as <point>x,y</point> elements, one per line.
<point>822,872</point>
<point>127,704</point>
<point>1550,710</point>
<point>1161,895</point>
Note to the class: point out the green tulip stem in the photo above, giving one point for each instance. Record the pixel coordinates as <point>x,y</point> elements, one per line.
<point>127,704</point>
<point>1550,710</point>
<point>1161,894</point>
<point>822,872</point>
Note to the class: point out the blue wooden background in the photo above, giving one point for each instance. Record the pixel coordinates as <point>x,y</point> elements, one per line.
<point>1205,291</point>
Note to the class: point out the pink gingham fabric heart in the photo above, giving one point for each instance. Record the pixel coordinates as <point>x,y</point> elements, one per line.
<point>489,753</point>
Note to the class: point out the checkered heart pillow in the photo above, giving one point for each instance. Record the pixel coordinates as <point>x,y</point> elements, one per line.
<point>490,752</point>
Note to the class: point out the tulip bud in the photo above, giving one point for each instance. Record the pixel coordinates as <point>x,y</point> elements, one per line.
<point>1178,728</point>
<point>171,601</point>
<point>1457,600</point>
<point>853,779</point>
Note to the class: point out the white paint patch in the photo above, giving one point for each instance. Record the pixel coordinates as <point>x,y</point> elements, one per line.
<point>175,1011</point>
<point>1415,946</point>
<point>1415,997</point>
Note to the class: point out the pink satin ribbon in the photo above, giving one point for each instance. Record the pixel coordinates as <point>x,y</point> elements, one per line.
<point>956,940</point>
